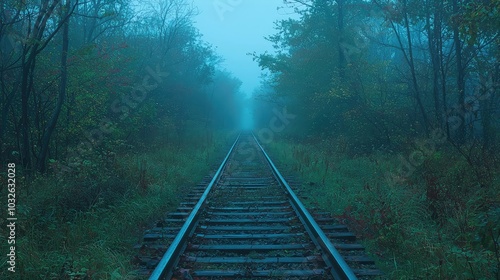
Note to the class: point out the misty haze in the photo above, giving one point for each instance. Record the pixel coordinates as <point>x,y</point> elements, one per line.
<point>250,139</point>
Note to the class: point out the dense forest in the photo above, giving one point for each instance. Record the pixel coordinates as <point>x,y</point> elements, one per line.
<point>395,124</point>
<point>388,109</point>
<point>99,99</point>
<point>100,71</point>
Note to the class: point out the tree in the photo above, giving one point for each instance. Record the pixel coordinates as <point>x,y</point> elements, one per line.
<point>67,10</point>
<point>34,44</point>
<point>400,15</point>
<point>460,70</point>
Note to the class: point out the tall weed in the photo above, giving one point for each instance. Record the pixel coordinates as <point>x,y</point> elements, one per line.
<point>440,223</point>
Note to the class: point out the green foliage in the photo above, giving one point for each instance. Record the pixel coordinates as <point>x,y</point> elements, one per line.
<point>365,85</point>
<point>480,19</point>
<point>86,226</point>
<point>440,224</point>
<point>331,76</point>
<point>152,75</point>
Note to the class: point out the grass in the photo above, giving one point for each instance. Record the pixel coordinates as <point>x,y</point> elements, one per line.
<point>439,223</point>
<point>84,225</point>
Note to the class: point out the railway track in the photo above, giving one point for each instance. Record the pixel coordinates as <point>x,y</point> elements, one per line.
<point>246,222</point>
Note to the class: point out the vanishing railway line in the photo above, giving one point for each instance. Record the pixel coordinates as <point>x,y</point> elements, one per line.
<point>246,222</point>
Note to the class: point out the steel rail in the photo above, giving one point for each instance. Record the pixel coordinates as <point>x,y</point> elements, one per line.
<point>341,269</point>
<point>169,259</point>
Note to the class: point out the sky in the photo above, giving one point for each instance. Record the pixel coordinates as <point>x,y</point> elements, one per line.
<point>238,27</point>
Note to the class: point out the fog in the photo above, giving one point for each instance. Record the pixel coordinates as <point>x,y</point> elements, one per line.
<point>384,115</point>
<point>238,29</point>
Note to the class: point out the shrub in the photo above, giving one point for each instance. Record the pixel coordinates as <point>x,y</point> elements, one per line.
<point>439,223</point>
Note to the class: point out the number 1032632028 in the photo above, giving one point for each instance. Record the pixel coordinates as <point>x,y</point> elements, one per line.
<point>11,188</point>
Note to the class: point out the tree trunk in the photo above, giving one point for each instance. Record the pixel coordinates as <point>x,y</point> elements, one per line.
<point>486,106</point>
<point>433,31</point>
<point>460,75</point>
<point>411,63</point>
<point>340,24</point>
<point>51,125</point>
<point>442,70</point>
<point>25,93</point>
<point>29,55</point>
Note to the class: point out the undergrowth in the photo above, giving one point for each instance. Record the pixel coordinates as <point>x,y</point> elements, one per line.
<point>438,223</point>
<point>84,224</point>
